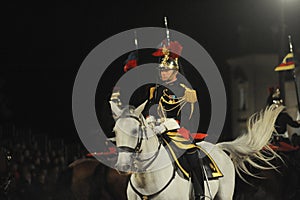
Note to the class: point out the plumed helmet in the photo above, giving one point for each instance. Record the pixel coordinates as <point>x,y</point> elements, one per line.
<point>169,55</point>
<point>274,97</point>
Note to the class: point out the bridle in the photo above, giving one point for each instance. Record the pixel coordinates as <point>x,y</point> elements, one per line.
<point>141,133</point>
<point>136,156</point>
<point>136,151</point>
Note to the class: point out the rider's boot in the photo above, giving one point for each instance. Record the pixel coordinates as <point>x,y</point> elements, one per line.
<point>196,173</point>
<point>198,185</point>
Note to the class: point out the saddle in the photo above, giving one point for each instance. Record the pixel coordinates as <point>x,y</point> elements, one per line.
<point>211,169</point>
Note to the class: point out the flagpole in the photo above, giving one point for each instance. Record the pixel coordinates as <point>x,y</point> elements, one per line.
<point>282,74</point>
<point>294,74</point>
<point>168,43</point>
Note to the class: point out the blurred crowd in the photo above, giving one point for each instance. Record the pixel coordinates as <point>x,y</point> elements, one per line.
<point>35,163</point>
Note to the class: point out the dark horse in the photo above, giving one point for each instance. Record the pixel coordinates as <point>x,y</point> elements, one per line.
<point>89,179</point>
<point>276,185</point>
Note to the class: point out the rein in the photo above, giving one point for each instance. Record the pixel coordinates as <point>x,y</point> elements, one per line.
<point>137,150</point>
<point>150,196</point>
<point>152,157</point>
<point>150,160</point>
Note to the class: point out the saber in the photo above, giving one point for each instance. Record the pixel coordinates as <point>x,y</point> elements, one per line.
<point>168,43</point>
<point>167,31</point>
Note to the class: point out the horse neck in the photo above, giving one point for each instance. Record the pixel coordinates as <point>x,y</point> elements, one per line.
<point>156,176</point>
<point>150,142</point>
<point>159,171</point>
<point>154,152</point>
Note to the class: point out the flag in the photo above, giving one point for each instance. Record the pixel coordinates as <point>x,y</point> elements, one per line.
<point>131,61</point>
<point>287,63</point>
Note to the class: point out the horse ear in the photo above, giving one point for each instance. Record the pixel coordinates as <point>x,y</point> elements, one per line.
<point>140,109</point>
<point>115,109</point>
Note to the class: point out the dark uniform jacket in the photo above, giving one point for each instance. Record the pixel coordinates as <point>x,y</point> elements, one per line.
<point>165,101</point>
<point>282,121</point>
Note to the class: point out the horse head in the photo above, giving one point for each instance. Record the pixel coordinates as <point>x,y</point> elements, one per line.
<point>137,143</point>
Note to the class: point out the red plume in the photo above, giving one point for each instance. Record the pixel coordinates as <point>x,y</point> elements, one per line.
<point>158,53</point>
<point>175,49</point>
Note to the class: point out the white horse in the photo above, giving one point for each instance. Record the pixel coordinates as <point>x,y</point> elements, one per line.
<point>153,175</point>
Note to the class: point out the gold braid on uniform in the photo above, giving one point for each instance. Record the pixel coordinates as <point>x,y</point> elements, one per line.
<point>176,102</point>
<point>190,96</point>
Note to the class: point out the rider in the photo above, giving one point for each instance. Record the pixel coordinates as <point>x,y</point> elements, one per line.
<point>283,118</point>
<point>170,97</point>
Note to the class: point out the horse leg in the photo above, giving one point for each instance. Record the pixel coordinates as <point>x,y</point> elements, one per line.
<point>226,183</point>
<point>222,188</point>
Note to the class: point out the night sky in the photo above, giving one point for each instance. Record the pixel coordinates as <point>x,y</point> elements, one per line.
<point>44,44</point>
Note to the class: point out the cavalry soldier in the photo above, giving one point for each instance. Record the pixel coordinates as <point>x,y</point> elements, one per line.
<point>170,97</point>
<point>282,120</point>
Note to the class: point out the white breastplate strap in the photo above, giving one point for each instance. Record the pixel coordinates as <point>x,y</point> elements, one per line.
<point>150,196</point>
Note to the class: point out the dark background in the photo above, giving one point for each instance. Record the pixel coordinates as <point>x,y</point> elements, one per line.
<point>44,43</point>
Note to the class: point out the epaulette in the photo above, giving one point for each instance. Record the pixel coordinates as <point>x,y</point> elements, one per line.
<point>190,96</point>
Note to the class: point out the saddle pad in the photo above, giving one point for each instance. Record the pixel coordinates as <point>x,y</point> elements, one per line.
<point>211,169</point>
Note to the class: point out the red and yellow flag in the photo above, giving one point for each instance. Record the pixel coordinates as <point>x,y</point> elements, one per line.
<point>287,63</point>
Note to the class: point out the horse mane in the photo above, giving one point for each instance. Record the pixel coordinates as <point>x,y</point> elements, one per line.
<point>252,148</point>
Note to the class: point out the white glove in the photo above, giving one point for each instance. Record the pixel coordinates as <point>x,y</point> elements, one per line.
<point>171,124</point>
<point>168,124</point>
<point>151,120</point>
<point>160,129</point>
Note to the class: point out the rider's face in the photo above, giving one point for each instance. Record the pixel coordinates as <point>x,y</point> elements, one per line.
<point>166,74</point>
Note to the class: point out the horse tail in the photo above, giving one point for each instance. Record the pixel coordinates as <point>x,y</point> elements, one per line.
<point>252,148</point>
